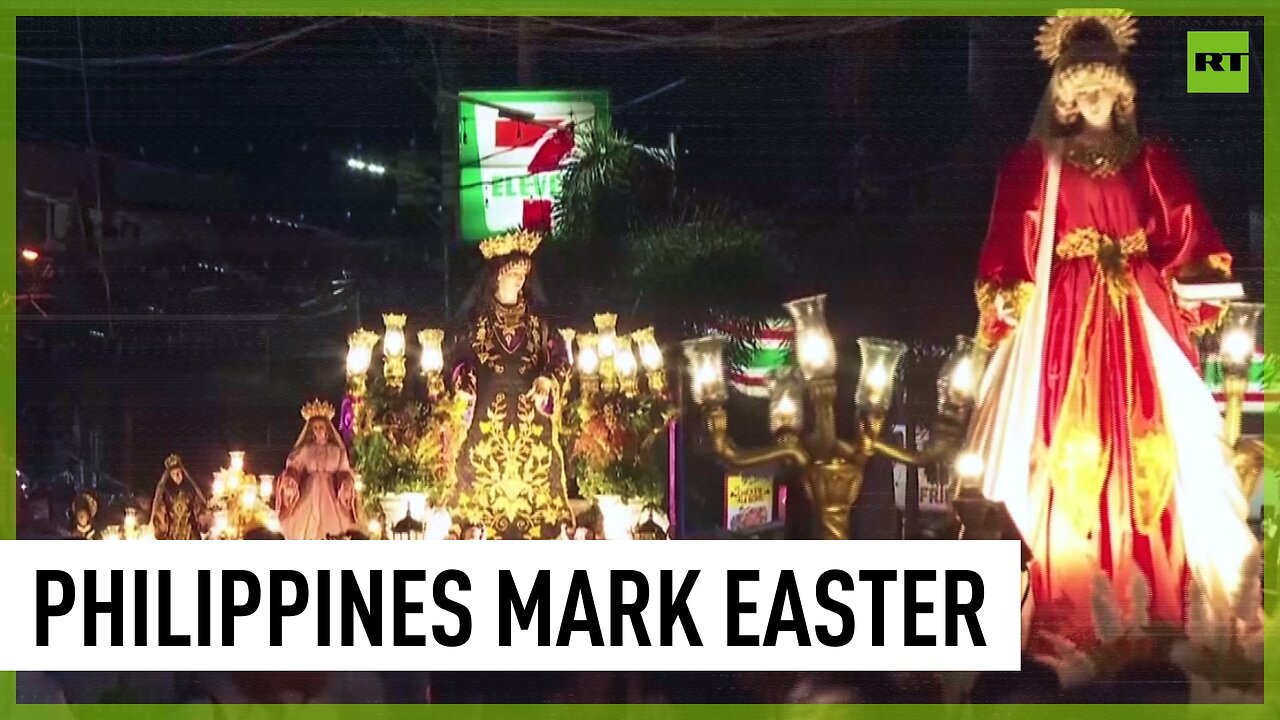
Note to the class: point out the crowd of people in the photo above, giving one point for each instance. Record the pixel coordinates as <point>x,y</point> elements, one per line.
<point>1037,682</point>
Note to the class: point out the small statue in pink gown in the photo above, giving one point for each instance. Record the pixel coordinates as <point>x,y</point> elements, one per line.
<point>316,494</point>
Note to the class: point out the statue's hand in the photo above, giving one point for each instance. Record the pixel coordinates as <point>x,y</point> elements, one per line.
<point>540,393</point>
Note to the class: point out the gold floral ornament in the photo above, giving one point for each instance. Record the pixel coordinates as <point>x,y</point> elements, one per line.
<point>1056,33</point>
<point>317,409</point>
<point>1153,471</point>
<point>1077,472</point>
<point>1000,304</point>
<point>519,241</point>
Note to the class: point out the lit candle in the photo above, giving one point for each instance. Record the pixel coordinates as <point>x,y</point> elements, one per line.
<point>220,525</point>
<point>130,519</point>
<point>266,485</point>
<point>969,465</point>
<point>219,484</point>
<point>962,378</point>
<point>786,411</point>
<point>1237,345</point>
<point>249,496</point>
<point>237,461</point>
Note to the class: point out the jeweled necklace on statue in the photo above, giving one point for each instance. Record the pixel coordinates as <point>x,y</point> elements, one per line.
<point>509,319</point>
<point>1101,158</point>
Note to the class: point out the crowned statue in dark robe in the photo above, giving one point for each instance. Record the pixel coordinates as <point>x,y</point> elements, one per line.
<point>510,365</point>
<point>178,508</point>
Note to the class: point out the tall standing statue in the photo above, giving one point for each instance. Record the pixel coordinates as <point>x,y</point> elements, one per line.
<point>1094,426</point>
<point>178,507</point>
<point>316,494</point>
<point>510,470</point>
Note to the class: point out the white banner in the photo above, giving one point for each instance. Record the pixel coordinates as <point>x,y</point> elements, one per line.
<point>399,605</point>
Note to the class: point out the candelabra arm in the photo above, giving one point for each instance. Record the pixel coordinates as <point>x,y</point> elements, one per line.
<point>1234,388</point>
<point>787,448</point>
<point>947,437</point>
<point>823,440</point>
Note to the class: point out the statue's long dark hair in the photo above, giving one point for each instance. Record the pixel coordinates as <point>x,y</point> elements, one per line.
<point>486,285</point>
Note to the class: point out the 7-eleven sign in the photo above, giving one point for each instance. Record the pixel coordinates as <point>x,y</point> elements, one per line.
<point>513,147</point>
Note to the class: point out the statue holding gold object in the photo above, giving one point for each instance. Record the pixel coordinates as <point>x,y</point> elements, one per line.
<point>511,367</point>
<point>1093,427</point>
<point>316,495</point>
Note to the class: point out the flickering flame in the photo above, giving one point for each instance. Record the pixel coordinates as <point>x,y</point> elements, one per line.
<point>815,349</point>
<point>588,361</point>
<point>877,378</point>
<point>969,465</point>
<point>1237,346</point>
<point>358,359</point>
<point>962,377</point>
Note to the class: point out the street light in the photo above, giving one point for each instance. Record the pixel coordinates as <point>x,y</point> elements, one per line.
<point>831,468</point>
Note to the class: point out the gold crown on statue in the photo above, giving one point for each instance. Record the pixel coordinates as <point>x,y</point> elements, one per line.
<point>518,241</point>
<point>1055,34</point>
<point>171,462</point>
<point>317,409</point>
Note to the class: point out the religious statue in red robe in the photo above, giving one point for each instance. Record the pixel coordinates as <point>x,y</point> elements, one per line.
<point>1093,424</point>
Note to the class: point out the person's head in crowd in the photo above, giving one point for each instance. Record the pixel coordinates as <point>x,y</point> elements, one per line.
<point>261,533</point>
<point>1036,683</point>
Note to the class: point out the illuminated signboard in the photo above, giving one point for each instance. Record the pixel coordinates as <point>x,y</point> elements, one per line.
<point>748,502</point>
<point>513,145</point>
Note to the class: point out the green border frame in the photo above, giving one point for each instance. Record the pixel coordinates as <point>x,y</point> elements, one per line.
<point>8,377</point>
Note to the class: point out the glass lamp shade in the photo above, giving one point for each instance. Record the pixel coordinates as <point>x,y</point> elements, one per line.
<point>879,367</point>
<point>237,461</point>
<point>815,349</point>
<point>567,335</point>
<point>607,335</point>
<point>588,355</point>
<point>624,359</point>
<point>647,345</point>
<point>958,380</point>
<point>393,342</point>
<point>786,400</point>
<point>360,351</point>
<point>705,357</point>
<point>1238,337</point>
<point>432,341</point>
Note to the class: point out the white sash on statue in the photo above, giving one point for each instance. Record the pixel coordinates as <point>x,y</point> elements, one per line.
<point>1004,424</point>
<point>1211,509</point>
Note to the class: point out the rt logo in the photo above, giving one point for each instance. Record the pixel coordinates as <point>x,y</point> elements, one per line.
<point>1217,61</point>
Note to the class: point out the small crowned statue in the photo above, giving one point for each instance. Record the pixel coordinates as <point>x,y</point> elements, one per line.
<point>178,507</point>
<point>316,494</point>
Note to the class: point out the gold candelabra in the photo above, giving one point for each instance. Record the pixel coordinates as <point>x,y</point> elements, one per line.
<point>831,468</point>
<point>1236,347</point>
